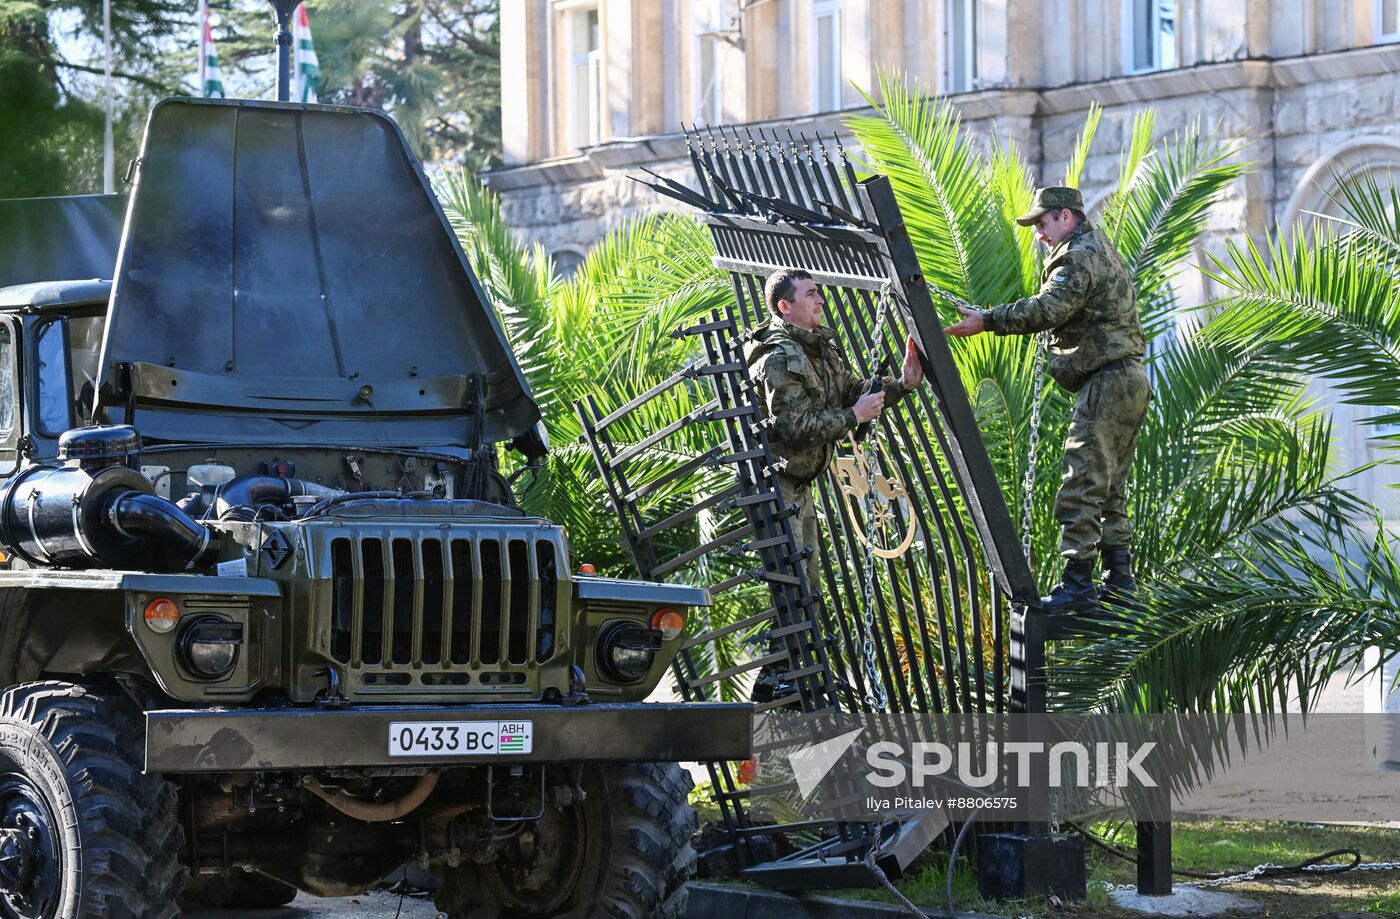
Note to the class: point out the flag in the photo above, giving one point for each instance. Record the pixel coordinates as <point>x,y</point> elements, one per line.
<point>306,70</point>
<point>211,85</point>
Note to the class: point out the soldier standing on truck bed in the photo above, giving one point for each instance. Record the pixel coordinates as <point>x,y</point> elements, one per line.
<point>811,395</point>
<point>1086,301</point>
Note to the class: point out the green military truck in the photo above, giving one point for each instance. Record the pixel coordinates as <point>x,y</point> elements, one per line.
<point>270,616</point>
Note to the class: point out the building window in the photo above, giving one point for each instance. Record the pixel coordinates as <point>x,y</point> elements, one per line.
<point>710,25</point>
<point>826,55</point>
<point>962,46</point>
<point>1387,20</point>
<point>1151,35</point>
<point>585,75</point>
<point>1388,428</point>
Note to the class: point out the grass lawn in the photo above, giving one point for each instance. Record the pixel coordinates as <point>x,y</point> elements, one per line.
<point>1210,846</point>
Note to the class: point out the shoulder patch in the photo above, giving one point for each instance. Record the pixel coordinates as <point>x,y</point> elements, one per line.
<point>793,351</point>
<point>773,362</point>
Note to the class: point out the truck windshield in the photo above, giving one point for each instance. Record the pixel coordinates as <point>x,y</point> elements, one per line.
<point>67,371</point>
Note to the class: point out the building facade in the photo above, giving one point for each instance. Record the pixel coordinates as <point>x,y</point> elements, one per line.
<point>592,90</point>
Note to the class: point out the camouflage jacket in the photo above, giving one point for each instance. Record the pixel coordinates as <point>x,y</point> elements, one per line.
<point>1086,299</point>
<point>807,388</point>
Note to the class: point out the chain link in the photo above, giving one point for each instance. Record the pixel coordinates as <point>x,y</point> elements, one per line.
<point>875,695</point>
<point>1033,448</point>
<point>1259,870</point>
<point>1037,401</point>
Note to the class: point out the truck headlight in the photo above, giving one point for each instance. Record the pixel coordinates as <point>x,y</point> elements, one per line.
<point>209,646</point>
<point>626,650</point>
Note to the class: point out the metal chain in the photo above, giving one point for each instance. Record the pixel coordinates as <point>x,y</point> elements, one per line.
<point>1037,401</point>
<point>1033,448</point>
<point>874,868</point>
<point>1259,870</point>
<point>875,695</point>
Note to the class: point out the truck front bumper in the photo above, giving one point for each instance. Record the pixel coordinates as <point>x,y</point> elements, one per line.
<point>240,740</point>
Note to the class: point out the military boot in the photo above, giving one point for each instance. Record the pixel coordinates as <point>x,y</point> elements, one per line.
<point>771,684</point>
<point>1075,594</point>
<point>1119,583</point>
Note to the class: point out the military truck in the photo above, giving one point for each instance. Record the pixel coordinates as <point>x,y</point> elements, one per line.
<point>270,617</point>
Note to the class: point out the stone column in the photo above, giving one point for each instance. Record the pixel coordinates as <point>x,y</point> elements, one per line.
<point>922,42</point>
<point>992,43</point>
<point>760,62</point>
<point>734,67</point>
<point>619,93</point>
<point>791,65</point>
<point>671,115</point>
<point>650,71</point>
<point>860,30</point>
<point>525,81</point>
<point>1024,51</point>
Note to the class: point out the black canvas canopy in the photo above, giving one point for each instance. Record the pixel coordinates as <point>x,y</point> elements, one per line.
<point>59,239</point>
<point>288,275</point>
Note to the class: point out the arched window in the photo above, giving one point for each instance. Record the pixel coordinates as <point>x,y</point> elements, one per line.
<point>566,262</point>
<point>1376,158</point>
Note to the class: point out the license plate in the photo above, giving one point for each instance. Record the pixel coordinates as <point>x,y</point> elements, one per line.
<point>460,738</point>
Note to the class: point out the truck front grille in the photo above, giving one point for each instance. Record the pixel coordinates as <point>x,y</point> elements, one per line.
<point>443,601</point>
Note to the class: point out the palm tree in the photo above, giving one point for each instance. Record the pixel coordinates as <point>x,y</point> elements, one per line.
<point>1240,604</point>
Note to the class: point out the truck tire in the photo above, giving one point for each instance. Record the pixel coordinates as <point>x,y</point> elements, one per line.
<point>83,833</point>
<point>624,852</point>
<point>244,890</point>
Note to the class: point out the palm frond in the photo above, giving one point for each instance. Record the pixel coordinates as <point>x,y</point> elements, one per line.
<point>1370,217</point>
<point>1014,188</point>
<point>1258,628</point>
<point>943,185</point>
<point>1074,169</point>
<point>1157,217</point>
<point>1319,307</point>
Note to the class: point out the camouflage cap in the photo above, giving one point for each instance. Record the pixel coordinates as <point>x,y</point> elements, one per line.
<point>1052,198</point>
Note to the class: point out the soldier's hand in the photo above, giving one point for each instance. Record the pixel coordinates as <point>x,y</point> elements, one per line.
<point>868,406</point>
<point>970,324</point>
<point>913,367</point>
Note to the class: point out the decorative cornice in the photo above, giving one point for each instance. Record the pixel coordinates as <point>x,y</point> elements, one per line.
<point>1153,87</point>
<point>1204,79</point>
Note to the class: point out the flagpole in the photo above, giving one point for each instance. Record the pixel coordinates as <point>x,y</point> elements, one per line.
<point>109,183</point>
<point>203,55</point>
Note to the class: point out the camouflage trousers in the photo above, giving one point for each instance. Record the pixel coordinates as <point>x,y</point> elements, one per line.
<point>1103,434</point>
<point>804,525</point>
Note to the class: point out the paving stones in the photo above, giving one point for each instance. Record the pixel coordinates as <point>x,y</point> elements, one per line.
<point>1184,901</point>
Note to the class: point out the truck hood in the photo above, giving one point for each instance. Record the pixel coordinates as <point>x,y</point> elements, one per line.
<point>287,275</point>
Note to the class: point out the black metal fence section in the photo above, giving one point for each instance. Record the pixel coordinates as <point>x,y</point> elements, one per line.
<point>745,546</point>
<point>948,641</point>
<point>948,626</point>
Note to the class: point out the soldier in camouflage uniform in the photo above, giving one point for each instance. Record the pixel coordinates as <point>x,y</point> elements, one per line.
<point>1086,301</point>
<point>813,399</point>
<point>810,392</point>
